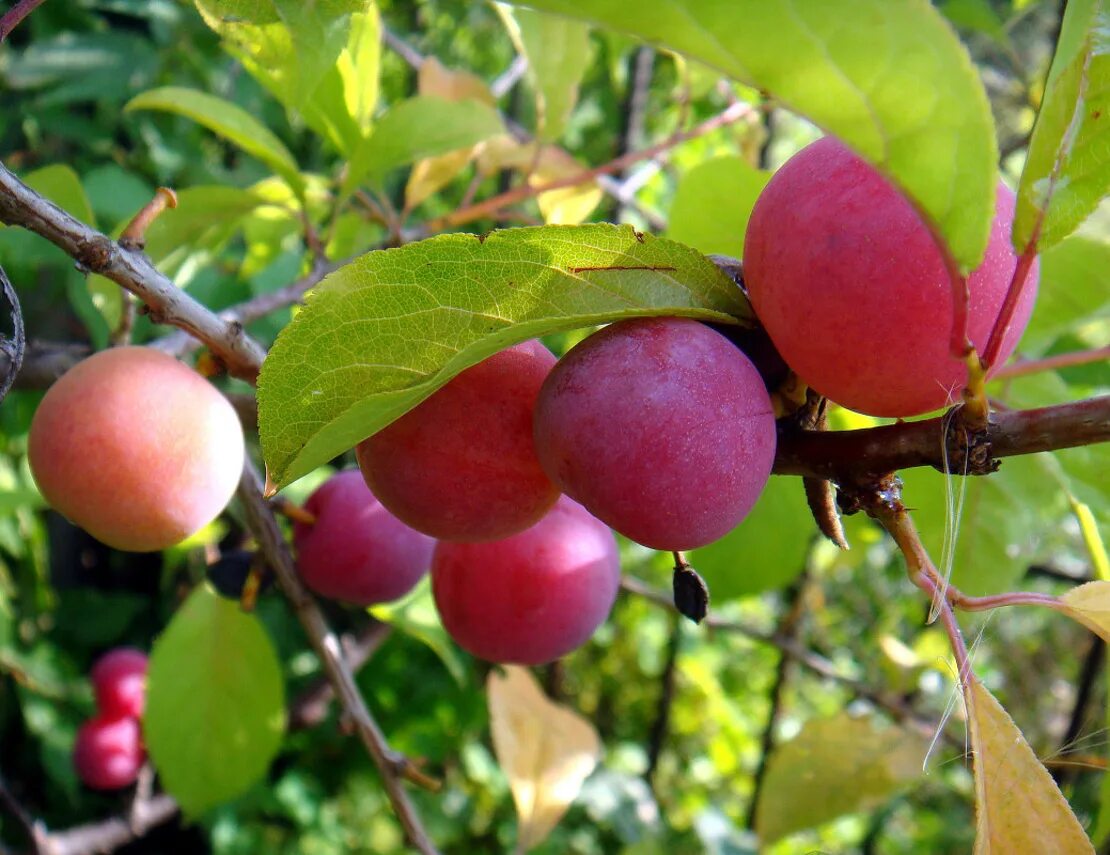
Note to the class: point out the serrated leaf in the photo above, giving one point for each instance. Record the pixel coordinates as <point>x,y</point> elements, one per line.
<point>384,332</point>
<point>713,202</point>
<point>805,782</point>
<point>546,750</point>
<point>558,53</point>
<point>1018,806</point>
<point>229,121</point>
<point>1067,170</point>
<point>890,79</point>
<point>215,711</point>
<point>433,173</point>
<point>416,128</point>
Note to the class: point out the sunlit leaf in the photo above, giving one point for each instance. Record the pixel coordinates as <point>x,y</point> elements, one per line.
<point>558,53</point>
<point>806,780</point>
<point>1067,170</point>
<point>1074,290</point>
<point>546,750</point>
<point>1019,808</point>
<point>713,202</point>
<point>890,79</point>
<point>384,332</point>
<point>215,711</point>
<point>227,120</point>
<point>416,615</point>
<point>1090,605</point>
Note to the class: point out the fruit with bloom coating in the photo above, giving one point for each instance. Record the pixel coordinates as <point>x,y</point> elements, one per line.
<point>848,281</point>
<point>357,551</point>
<point>119,682</point>
<point>532,597</point>
<point>136,448</point>
<point>661,428</point>
<point>108,753</point>
<point>461,465</point>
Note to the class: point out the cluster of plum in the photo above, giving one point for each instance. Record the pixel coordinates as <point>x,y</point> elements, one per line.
<point>507,480</point>
<point>108,753</point>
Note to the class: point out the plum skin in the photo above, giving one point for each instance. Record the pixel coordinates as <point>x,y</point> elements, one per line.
<point>661,428</point>
<point>119,682</point>
<point>357,551</point>
<point>461,465</point>
<point>533,597</point>
<point>136,448</point>
<point>108,752</point>
<point>848,281</point>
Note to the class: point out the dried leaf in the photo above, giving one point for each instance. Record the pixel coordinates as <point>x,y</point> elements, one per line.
<point>546,749</point>
<point>1019,806</point>
<point>1090,605</point>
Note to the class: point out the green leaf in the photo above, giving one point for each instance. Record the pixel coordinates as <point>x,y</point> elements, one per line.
<point>558,53</point>
<point>713,202</point>
<point>1073,291</point>
<point>215,710</point>
<point>766,551</point>
<point>416,615</point>
<point>978,16</point>
<point>384,332</point>
<point>420,127</point>
<point>229,121</point>
<point>890,79</point>
<point>1067,171</point>
<point>835,766</point>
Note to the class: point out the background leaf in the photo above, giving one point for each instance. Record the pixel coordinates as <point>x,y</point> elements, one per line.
<point>1067,170</point>
<point>835,766</point>
<point>215,710</point>
<point>712,204</point>
<point>890,79</point>
<point>387,330</point>
<point>546,749</point>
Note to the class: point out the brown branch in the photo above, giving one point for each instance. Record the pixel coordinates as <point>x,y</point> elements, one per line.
<point>849,455</point>
<point>392,766</point>
<point>110,834</point>
<point>15,15</point>
<point>311,706</point>
<point>489,207</point>
<point>657,736</point>
<point>97,253</point>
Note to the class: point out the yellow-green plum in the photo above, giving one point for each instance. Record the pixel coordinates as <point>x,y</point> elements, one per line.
<point>136,448</point>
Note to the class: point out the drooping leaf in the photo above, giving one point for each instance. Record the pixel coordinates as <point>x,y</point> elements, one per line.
<point>896,85</point>
<point>384,332</point>
<point>432,173</point>
<point>1018,806</point>
<point>1090,605</point>
<point>229,121</point>
<point>416,128</point>
<point>558,53</point>
<point>713,202</point>
<point>835,766</point>
<point>1067,171</point>
<point>546,750</point>
<point>215,712</point>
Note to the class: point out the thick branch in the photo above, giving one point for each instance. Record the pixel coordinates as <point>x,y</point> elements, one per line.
<point>96,253</point>
<point>839,455</point>
<point>392,766</point>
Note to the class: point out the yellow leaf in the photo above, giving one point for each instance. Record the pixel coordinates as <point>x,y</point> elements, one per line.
<point>544,164</point>
<point>1019,807</point>
<point>547,750</point>
<point>1090,605</point>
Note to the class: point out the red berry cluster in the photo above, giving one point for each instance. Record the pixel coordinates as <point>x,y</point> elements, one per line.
<point>109,749</point>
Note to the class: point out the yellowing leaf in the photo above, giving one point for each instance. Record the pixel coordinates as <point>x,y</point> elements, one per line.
<point>805,782</point>
<point>1019,806</point>
<point>1090,605</point>
<point>431,174</point>
<point>546,749</point>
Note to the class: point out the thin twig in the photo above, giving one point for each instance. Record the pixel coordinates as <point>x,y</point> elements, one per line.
<point>1088,675</point>
<point>1023,367</point>
<point>657,735</point>
<point>15,15</point>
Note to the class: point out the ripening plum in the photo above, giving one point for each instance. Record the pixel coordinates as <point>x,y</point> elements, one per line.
<point>119,682</point>
<point>532,597</point>
<point>461,465</point>
<point>848,281</point>
<point>357,551</point>
<point>661,428</point>
<point>136,448</point>
<point>108,753</point>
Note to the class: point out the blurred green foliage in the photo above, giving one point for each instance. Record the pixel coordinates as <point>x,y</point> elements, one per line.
<point>66,75</point>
